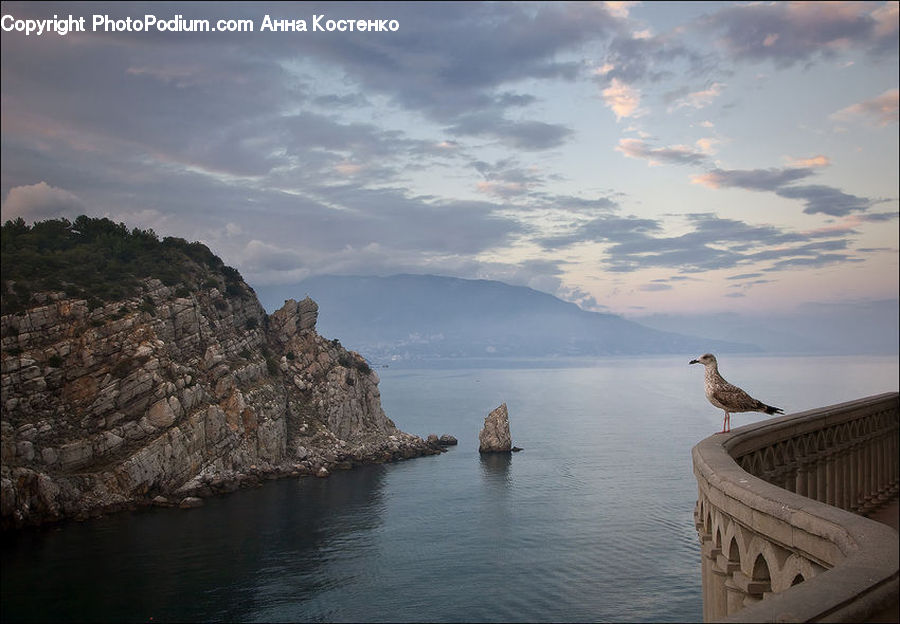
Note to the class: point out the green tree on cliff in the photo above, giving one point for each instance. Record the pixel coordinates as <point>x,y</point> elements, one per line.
<point>100,261</point>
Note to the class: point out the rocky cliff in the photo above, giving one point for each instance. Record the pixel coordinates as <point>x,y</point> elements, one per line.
<point>174,392</point>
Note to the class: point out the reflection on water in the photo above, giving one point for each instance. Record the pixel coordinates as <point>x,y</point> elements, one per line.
<point>201,564</point>
<point>592,522</point>
<point>495,466</point>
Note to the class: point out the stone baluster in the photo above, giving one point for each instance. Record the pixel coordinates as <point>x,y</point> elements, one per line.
<point>752,590</point>
<point>869,469</point>
<point>893,452</point>
<point>846,477</point>
<point>862,450</point>
<point>879,467</point>
<point>822,477</point>
<point>829,478</point>
<point>840,472</point>
<point>721,570</point>
<point>812,473</point>
<point>709,555</point>
<point>734,595</point>
<point>801,482</point>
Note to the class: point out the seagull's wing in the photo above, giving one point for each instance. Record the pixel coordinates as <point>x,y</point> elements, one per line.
<point>735,399</point>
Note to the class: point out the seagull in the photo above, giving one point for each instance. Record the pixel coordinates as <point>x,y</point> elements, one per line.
<point>726,396</point>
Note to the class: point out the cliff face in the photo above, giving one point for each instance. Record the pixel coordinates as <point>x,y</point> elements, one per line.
<point>171,393</point>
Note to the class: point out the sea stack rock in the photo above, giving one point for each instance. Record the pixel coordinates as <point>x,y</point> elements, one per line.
<point>494,436</point>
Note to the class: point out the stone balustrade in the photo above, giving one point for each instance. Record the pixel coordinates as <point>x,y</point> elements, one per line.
<point>778,515</point>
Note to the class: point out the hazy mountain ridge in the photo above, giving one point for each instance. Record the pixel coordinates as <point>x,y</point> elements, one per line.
<point>850,328</point>
<point>412,317</point>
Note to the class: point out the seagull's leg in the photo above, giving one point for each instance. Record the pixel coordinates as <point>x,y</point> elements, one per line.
<point>728,418</point>
<point>724,420</point>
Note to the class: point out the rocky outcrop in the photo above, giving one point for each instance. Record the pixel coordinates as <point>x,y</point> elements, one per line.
<point>440,443</point>
<point>494,436</point>
<point>174,394</point>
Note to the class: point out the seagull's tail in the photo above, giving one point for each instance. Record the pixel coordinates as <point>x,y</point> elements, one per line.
<point>773,410</point>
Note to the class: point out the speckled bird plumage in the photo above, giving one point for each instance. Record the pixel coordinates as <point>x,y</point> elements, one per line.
<point>726,396</point>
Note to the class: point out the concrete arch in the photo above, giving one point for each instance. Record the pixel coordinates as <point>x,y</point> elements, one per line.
<point>774,557</point>
<point>809,444</point>
<point>794,566</point>
<point>761,570</point>
<point>842,434</point>
<point>768,459</point>
<point>758,463</point>
<point>734,551</point>
<point>784,452</point>
<point>721,524</point>
<point>737,539</point>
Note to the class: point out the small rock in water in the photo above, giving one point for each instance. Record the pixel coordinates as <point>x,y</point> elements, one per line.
<point>448,440</point>
<point>322,472</point>
<point>494,436</point>
<point>189,502</point>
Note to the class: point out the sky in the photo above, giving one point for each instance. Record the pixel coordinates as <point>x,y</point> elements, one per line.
<point>630,157</point>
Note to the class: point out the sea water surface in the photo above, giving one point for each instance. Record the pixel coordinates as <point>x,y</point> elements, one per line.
<point>591,522</point>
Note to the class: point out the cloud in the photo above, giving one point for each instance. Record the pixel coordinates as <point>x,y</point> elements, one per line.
<point>808,163</point>
<point>526,135</point>
<point>505,179</point>
<point>699,99</point>
<point>677,154</point>
<point>579,297</point>
<point>619,9</point>
<point>813,262</point>
<point>260,256</point>
<point>424,67</point>
<point>363,153</point>
<point>818,198</point>
<point>788,33</point>
<point>147,100</point>
<point>880,216</point>
<point>622,99</point>
<point>655,287</point>
<point>707,145</point>
<point>605,228</point>
<point>825,199</point>
<point>886,19</point>
<point>744,276</point>
<point>880,111</point>
<point>633,57</point>
<point>40,201</point>
<point>752,179</point>
<point>711,244</point>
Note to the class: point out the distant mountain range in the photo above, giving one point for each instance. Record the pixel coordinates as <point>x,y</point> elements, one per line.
<point>422,317</point>
<point>846,328</point>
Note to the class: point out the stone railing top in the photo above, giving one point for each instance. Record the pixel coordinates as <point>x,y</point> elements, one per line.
<point>759,435</point>
<point>869,559</point>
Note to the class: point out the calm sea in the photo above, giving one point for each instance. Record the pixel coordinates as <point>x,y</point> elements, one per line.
<point>591,522</point>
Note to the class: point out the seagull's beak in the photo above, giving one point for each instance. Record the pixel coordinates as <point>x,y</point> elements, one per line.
<point>694,362</point>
